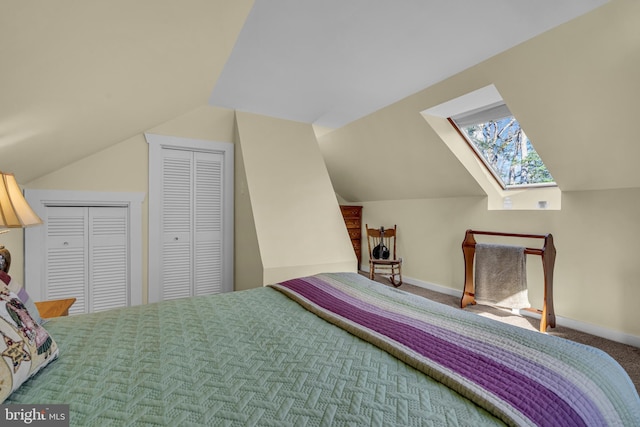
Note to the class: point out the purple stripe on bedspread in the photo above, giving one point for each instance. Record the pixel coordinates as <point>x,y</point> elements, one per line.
<point>509,361</point>
<point>511,386</point>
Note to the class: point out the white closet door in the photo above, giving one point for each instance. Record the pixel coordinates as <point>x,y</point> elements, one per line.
<point>108,258</point>
<point>190,217</point>
<point>87,257</point>
<point>67,256</point>
<point>208,254</point>
<point>176,222</point>
<point>60,256</point>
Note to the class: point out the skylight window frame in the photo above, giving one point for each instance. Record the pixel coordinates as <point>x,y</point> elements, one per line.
<point>487,113</point>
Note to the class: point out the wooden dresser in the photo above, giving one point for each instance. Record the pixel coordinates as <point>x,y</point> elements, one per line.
<point>353,219</point>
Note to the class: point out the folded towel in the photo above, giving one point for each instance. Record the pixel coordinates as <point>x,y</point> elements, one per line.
<point>501,276</point>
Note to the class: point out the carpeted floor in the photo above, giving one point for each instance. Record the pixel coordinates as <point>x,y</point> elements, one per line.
<point>628,356</point>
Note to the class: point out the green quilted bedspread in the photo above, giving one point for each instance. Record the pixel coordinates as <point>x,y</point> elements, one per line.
<point>238,359</point>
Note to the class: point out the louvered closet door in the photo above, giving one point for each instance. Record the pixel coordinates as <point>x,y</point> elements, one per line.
<point>67,256</point>
<point>108,256</point>
<point>208,223</point>
<point>191,223</point>
<point>176,220</point>
<point>87,257</point>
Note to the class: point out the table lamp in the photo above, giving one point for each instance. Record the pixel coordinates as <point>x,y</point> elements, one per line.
<point>15,212</point>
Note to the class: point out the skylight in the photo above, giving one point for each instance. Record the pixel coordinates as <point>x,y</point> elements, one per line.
<point>500,142</point>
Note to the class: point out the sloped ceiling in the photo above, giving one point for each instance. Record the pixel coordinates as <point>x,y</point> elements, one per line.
<point>573,88</point>
<point>78,76</point>
<point>331,62</point>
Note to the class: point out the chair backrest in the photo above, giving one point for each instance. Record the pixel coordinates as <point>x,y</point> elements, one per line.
<point>388,240</point>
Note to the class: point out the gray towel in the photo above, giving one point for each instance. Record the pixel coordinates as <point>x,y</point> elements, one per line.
<point>501,276</point>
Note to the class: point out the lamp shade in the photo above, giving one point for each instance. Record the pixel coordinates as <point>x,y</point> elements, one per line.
<point>15,212</point>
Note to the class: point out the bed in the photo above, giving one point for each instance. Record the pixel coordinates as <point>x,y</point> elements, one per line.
<point>327,350</point>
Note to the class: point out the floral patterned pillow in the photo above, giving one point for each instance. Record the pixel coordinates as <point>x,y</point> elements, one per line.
<point>25,346</point>
<point>22,294</point>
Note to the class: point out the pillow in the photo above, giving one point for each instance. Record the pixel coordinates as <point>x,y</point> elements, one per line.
<point>19,290</point>
<point>25,346</point>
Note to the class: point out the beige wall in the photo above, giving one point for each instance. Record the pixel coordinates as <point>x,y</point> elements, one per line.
<point>248,271</point>
<point>287,218</point>
<point>124,167</point>
<point>300,230</point>
<point>574,89</point>
<point>576,105</point>
<point>596,272</point>
<point>121,167</point>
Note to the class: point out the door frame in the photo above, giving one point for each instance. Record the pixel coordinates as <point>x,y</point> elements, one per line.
<point>157,143</point>
<point>35,237</point>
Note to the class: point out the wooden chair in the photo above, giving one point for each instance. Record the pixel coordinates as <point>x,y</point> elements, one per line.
<point>382,253</point>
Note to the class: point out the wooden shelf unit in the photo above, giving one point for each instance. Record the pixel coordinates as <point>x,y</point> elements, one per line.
<point>353,220</point>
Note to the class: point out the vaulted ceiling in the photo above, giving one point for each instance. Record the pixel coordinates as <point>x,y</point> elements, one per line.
<point>330,62</point>
<point>78,77</point>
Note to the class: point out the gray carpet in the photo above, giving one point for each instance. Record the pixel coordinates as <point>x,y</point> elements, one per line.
<point>628,356</point>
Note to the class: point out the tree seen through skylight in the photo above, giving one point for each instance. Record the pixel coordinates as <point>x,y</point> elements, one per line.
<point>506,149</point>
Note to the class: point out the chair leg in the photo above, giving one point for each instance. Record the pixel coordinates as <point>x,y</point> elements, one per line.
<point>394,274</point>
<point>371,270</point>
<point>392,278</point>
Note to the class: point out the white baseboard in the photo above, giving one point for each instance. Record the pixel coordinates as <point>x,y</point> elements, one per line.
<point>426,285</point>
<point>599,331</point>
<point>588,328</point>
<point>432,287</point>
